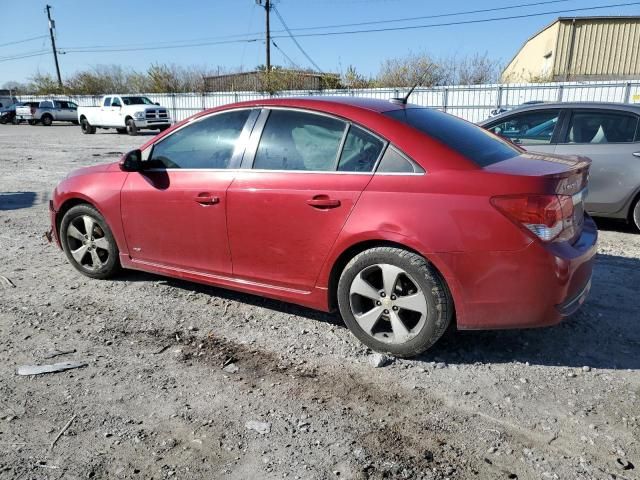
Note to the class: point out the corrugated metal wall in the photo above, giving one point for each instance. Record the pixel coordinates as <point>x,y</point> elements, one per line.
<point>597,48</point>
<point>471,102</point>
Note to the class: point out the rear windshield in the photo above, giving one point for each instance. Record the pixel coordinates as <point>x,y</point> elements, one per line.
<point>475,143</point>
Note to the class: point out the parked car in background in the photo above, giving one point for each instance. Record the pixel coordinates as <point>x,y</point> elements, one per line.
<point>607,133</point>
<point>125,113</point>
<point>48,111</point>
<point>8,114</point>
<point>6,99</point>
<point>397,215</point>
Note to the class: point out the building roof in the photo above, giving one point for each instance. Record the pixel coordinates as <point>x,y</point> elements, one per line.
<point>571,19</point>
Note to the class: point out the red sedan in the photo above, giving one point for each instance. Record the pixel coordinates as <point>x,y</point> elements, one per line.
<point>404,218</point>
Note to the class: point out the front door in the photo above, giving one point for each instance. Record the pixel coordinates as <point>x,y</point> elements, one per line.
<point>607,137</point>
<point>174,211</point>
<point>285,212</point>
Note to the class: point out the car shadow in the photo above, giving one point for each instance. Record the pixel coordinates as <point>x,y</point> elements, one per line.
<point>605,333</point>
<point>615,225</point>
<point>17,200</point>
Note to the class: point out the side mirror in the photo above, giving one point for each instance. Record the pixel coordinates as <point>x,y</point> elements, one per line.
<point>157,103</point>
<point>131,161</point>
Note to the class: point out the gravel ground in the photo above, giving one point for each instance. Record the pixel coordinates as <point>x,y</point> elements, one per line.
<point>190,381</point>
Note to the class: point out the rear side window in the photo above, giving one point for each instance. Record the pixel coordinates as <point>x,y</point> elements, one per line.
<point>475,143</point>
<point>360,152</point>
<point>207,143</point>
<point>395,162</point>
<point>602,127</point>
<point>293,140</point>
<point>107,102</point>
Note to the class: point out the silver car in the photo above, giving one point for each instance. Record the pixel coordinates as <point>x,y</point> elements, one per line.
<point>607,133</point>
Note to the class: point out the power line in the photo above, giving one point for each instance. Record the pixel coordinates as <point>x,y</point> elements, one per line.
<point>344,32</point>
<point>28,55</point>
<point>23,41</point>
<point>423,17</point>
<point>461,22</point>
<point>294,40</point>
<point>291,62</point>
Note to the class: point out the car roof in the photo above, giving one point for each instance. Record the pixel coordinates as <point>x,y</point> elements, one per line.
<point>325,102</point>
<point>625,107</point>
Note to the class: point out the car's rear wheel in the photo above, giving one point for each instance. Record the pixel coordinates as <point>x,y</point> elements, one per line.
<point>32,122</point>
<point>88,242</point>
<point>635,214</point>
<point>86,127</point>
<point>46,120</point>
<point>394,301</point>
<point>131,127</point>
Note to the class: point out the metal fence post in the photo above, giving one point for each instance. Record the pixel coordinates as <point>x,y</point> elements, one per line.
<point>627,93</point>
<point>499,98</point>
<point>560,92</point>
<point>445,99</point>
<point>173,106</point>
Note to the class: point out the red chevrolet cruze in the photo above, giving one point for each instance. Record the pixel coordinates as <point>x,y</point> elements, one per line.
<point>404,218</point>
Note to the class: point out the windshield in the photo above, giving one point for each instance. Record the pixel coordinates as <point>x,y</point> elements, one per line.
<point>475,143</point>
<point>137,101</point>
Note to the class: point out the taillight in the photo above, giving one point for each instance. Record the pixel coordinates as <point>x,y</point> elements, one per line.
<point>548,217</point>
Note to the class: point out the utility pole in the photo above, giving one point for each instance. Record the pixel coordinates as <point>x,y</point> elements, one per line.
<point>267,8</point>
<point>52,25</point>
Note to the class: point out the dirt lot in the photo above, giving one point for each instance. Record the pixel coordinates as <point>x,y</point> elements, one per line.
<point>156,402</point>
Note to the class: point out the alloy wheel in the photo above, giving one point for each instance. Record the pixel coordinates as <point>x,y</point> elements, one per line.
<point>387,303</point>
<point>87,243</point>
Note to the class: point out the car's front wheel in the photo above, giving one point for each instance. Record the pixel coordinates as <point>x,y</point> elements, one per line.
<point>394,301</point>
<point>88,242</point>
<point>132,129</point>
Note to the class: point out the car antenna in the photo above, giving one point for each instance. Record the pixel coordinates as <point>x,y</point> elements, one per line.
<point>403,100</point>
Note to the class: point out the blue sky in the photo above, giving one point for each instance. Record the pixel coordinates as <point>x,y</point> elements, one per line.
<point>122,24</point>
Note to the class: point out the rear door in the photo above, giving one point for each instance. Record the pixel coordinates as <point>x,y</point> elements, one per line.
<point>611,140</point>
<point>305,173</point>
<point>534,130</point>
<point>174,211</point>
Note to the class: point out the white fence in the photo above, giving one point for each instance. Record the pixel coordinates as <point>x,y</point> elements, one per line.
<point>472,102</point>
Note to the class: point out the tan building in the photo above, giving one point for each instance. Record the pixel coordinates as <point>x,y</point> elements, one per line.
<point>581,48</point>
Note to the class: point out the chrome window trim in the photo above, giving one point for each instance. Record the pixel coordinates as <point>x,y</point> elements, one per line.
<point>252,148</point>
<point>238,152</point>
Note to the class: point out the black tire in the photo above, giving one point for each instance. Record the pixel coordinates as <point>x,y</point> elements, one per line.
<point>131,127</point>
<point>46,120</point>
<point>108,255</point>
<point>121,131</point>
<point>3,120</point>
<point>32,122</point>
<point>635,214</point>
<point>86,127</point>
<point>15,121</point>
<point>439,309</point>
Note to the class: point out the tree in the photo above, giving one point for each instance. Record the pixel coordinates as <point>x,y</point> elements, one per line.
<point>409,70</point>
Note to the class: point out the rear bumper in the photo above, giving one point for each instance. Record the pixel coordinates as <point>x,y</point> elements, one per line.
<point>534,287</point>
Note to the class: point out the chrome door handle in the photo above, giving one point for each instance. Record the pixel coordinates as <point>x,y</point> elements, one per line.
<point>205,199</point>
<point>323,202</point>
<point>636,154</point>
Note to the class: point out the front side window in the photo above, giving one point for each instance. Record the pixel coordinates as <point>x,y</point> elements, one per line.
<point>207,143</point>
<point>602,127</point>
<point>72,105</point>
<point>471,141</point>
<point>532,128</point>
<point>360,151</point>
<point>293,140</point>
<point>116,102</point>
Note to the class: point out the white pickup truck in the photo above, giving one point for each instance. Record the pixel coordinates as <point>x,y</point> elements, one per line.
<point>125,113</point>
